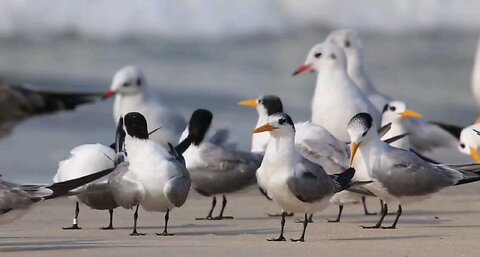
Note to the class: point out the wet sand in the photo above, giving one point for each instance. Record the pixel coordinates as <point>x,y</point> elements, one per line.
<point>446,225</point>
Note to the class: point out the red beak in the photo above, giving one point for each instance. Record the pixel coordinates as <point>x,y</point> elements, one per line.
<point>302,69</point>
<point>108,94</point>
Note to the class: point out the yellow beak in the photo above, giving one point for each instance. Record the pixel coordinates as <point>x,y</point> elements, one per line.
<point>411,114</point>
<point>249,103</point>
<point>263,128</point>
<point>474,154</point>
<point>354,148</point>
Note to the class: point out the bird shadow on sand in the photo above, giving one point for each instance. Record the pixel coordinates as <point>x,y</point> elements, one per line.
<point>192,226</point>
<point>374,238</point>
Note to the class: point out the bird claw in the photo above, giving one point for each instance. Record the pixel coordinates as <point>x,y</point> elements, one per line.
<point>73,227</point>
<point>371,227</point>
<point>107,228</point>
<point>281,238</point>
<point>137,234</point>
<point>164,233</point>
<point>301,239</point>
<point>389,227</point>
<point>333,221</point>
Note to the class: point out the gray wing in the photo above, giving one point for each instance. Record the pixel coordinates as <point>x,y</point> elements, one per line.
<point>224,170</point>
<point>220,137</point>
<point>126,191</point>
<point>98,195</point>
<point>13,197</point>
<point>310,182</point>
<point>176,190</point>
<point>319,146</point>
<point>403,173</point>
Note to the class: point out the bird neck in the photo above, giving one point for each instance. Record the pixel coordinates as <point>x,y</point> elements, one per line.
<point>279,151</point>
<point>396,129</point>
<point>260,140</point>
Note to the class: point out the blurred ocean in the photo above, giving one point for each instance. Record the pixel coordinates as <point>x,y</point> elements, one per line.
<point>212,54</point>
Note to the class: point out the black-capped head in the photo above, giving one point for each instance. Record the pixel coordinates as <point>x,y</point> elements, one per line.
<point>136,125</point>
<point>271,103</point>
<point>199,124</point>
<point>278,124</point>
<point>359,125</point>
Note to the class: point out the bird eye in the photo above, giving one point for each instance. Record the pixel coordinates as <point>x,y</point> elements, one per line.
<point>392,108</point>
<point>318,55</point>
<point>126,84</point>
<point>348,43</point>
<point>260,101</point>
<point>282,121</point>
<point>333,56</point>
<point>462,145</point>
<point>139,82</point>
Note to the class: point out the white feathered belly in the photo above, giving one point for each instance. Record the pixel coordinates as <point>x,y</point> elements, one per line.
<point>345,197</point>
<point>280,193</point>
<point>155,199</point>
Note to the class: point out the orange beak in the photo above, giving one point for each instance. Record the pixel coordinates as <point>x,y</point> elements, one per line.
<point>474,154</point>
<point>249,103</point>
<point>302,69</point>
<point>108,94</point>
<point>411,114</point>
<point>263,128</point>
<point>354,149</point>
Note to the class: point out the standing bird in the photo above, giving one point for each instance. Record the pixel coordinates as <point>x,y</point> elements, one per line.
<point>16,200</point>
<point>215,169</point>
<point>399,176</point>
<point>425,135</point>
<point>336,98</point>
<point>84,160</point>
<point>129,87</point>
<point>154,177</point>
<point>302,187</point>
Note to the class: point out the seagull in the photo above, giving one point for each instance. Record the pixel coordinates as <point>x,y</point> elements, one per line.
<point>215,169</point>
<point>16,199</point>
<point>129,87</point>
<point>302,187</point>
<point>21,101</point>
<point>331,105</point>
<point>154,177</point>
<point>424,135</point>
<point>476,75</point>
<point>470,141</point>
<point>399,176</point>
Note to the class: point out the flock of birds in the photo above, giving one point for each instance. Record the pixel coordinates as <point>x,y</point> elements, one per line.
<point>369,146</point>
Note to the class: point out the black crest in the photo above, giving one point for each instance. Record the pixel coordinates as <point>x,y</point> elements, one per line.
<point>136,125</point>
<point>363,119</point>
<point>199,125</point>
<point>272,103</point>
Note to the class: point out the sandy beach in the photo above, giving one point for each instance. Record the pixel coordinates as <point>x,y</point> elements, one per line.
<point>445,225</point>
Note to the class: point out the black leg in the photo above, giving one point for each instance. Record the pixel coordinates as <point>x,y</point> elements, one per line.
<point>75,220</point>
<point>135,217</point>
<point>365,210</point>
<point>394,225</point>
<point>280,238</point>
<point>302,238</point>
<point>220,215</point>
<point>165,232</point>
<point>209,216</point>
<point>310,219</point>
<point>340,209</point>
<point>110,225</point>
<point>379,223</point>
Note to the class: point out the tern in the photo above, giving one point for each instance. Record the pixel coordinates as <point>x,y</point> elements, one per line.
<point>154,177</point>
<point>399,176</point>
<point>298,187</point>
